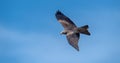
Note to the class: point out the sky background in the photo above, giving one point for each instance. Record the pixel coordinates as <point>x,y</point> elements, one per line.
<point>30,33</point>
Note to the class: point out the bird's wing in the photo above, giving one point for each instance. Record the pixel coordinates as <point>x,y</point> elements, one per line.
<point>65,21</point>
<point>73,40</point>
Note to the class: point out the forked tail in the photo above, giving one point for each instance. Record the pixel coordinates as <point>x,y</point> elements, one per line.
<point>84,30</point>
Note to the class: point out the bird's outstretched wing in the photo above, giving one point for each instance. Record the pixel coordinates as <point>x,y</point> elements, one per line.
<point>65,21</point>
<point>73,40</point>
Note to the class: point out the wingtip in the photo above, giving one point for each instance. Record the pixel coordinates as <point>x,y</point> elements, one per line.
<point>89,34</point>
<point>58,12</point>
<point>77,49</point>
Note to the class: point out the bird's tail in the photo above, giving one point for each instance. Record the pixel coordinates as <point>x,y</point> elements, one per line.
<point>84,30</point>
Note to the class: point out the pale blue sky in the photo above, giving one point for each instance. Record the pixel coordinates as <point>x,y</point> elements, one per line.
<point>30,33</point>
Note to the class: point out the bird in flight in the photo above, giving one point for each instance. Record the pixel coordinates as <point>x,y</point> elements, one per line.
<point>71,31</point>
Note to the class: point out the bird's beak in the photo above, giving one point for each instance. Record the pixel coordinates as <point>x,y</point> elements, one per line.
<point>60,33</point>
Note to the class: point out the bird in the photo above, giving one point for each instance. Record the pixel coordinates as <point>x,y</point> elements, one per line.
<point>71,31</point>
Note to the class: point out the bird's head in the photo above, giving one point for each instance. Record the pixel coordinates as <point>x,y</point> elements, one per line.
<point>63,33</point>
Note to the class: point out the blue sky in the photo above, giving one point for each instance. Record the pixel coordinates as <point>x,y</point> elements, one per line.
<point>30,33</point>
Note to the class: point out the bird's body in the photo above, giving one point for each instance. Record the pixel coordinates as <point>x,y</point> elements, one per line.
<point>71,31</point>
